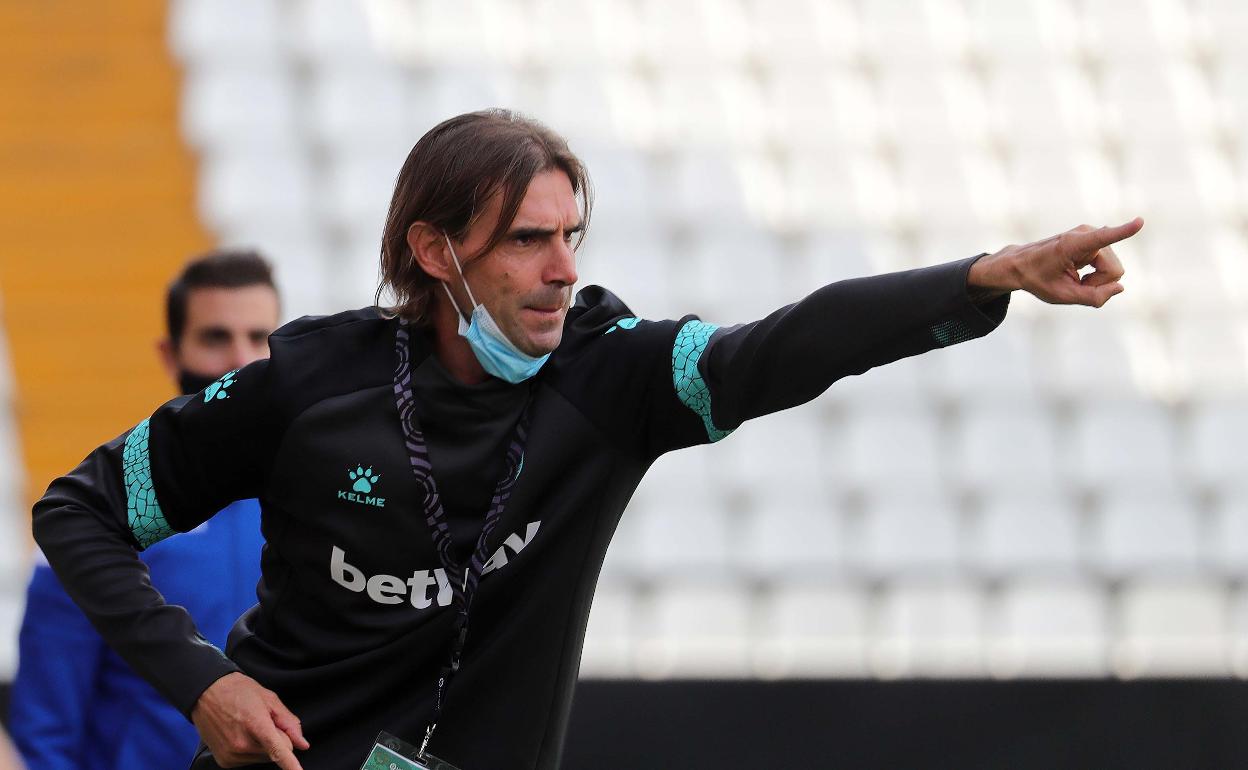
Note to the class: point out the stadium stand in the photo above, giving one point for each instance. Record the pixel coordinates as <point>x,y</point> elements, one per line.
<point>1064,498</point>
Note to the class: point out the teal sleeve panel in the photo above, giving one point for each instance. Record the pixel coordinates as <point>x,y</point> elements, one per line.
<point>146,519</point>
<point>691,389</point>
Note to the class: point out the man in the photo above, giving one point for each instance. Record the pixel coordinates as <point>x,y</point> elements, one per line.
<point>75,703</point>
<point>439,483</point>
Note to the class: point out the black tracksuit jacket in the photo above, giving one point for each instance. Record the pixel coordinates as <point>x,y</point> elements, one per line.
<point>353,622</point>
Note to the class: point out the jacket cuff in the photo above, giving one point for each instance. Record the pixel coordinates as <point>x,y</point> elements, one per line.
<point>969,320</point>
<point>197,675</point>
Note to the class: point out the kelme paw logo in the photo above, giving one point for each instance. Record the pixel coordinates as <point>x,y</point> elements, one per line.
<point>624,323</point>
<point>364,479</point>
<point>217,389</point>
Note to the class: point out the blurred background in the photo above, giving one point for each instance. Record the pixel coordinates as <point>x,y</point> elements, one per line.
<point>1062,504</point>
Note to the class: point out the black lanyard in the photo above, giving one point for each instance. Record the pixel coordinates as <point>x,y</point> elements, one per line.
<point>463,578</point>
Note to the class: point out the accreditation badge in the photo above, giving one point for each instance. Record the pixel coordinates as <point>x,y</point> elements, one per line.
<point>391,753</point>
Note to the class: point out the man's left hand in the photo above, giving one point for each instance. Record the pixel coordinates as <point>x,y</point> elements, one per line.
<point>1049,269</point>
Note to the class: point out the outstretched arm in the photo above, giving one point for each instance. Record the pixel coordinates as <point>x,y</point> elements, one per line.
<point>849,327</point>
<point>685,382</point>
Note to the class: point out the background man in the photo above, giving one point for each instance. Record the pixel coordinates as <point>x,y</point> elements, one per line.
<point>75,703</point>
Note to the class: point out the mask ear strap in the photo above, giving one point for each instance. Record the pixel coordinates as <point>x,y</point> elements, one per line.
<point>458,267</point>
<point>454,304</point>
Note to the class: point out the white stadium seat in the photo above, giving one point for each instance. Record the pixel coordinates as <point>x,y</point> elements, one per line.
<point>1022,531</point>
<point>610,638</point>
<point>272,184</point>
<point>905,534</point>
<point>930,629</point>
<point>1146,532</point>
<point>1050,628</point>
<point>360,107</point>
<point>334,31</point>
<point>684,536</point>
<point>888,448</point>
<point>699,629</point>
<point>1173,629</point>
<point>1003,448</point>
<point>1214,454</point>
<point>1228,535</point>
<point>212,30</point>
<point>813,629</point>
<point>1127,441</point>
<point>790,533</point>
<point>231,106</point>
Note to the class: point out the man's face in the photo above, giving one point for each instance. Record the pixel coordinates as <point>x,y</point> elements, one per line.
<point>526,280</point>
<point>226,329</point>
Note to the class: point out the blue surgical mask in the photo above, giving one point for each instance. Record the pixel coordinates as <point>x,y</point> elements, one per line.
<point>497,354</point>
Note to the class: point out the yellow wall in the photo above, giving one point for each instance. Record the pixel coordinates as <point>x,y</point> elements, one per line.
<point>96,214</point>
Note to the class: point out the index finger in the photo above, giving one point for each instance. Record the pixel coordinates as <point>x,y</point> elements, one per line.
<point>278,747</point>
<point>1104,236</point>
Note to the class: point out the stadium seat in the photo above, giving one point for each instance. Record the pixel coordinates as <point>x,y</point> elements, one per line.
<point>330,30</point>
<point>203,30</point>
<point>1210,367</point>
<point>610,637</point>
<point>271,183</point>
<point>906,534</point>
<point>301,264</point>
<point>1129,441</point>
<point>683,536</point>
<point>704,188</point>
<point>686,474</point>
<point>1047,628</point>
<point>1006,449</point>
<point>624,181</point>
<point>1172,629</point>
<point>784,449</point>
<point>709,275</point>
<point>632,264</point>
<point>1000,368</point>
<point>360,188</point>
<point>228,107</point>
<point>698,629</point>
<point>1139,531</point>
<point>1213,453</point>
<point>790,533</point>
<point>801,98</point>
<point>898,448</point>
<point>1111,352</point>
<point>453,89</point>
<point>813,628</point>
<point>362,107</point>
<point>929,629</point>
<point>624,560</point>
<point>1228,532</point>
<point>828,254</point>
<point>1026,531</point>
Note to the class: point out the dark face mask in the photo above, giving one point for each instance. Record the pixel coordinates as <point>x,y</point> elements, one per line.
<point>191,382</point>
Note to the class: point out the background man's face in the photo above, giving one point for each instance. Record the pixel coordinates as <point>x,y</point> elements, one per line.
<point>225,329</point>
<point>526,280</point>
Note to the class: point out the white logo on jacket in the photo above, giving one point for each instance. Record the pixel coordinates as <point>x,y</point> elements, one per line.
<point>389,589</point>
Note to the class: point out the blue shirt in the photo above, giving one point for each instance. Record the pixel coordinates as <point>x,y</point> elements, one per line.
<point>77,704</point>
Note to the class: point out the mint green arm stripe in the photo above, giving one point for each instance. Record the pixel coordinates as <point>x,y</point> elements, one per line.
<point>690,343</point>
<point>147,521</point>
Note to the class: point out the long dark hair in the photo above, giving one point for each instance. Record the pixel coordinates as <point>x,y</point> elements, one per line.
<point>447,178</point>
